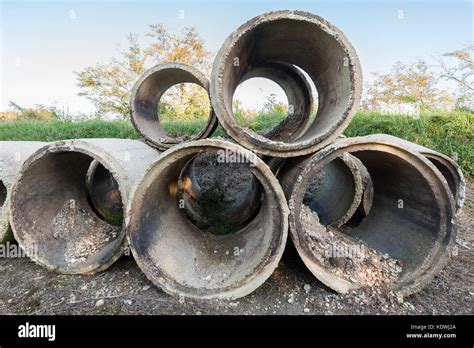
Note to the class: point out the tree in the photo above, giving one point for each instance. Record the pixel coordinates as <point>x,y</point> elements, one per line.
<point>108,85</point>
<point>272,105</point>
<point>461,71</point>
<point>407,83</point>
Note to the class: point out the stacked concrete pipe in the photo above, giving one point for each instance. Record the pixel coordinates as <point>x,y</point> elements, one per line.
<point>68,201</point>
<point>73,203</point>
<point>146,96</point>
<point>12,156</point>
<point>186,261</point>
<point>410,220</point>
<point>293,38</point>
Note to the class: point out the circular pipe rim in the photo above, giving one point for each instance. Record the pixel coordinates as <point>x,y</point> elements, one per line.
<point>111,164</point>
<point>194,73</point>
<point>438,256</point>
<point>259,143</point>
<point>273,256</point>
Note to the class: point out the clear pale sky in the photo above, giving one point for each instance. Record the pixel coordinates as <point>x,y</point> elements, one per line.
<point>44,42</point>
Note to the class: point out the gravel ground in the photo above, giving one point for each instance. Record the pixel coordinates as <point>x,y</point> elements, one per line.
<point>123,289</point>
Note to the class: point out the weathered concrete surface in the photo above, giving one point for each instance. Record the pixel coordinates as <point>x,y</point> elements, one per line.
<point>447,166</point>
<point>185,261</point>
<point>12,156</point>
<point>367,188</point>
<point>411,218</point>
<point>104,193</point>
<point>291,290</point>
<point>290,37</point>
<point>334,191</point>
<point>146,95</point>
<point>52,217</point>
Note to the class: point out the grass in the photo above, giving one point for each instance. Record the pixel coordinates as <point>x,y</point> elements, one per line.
<point>451,134</point>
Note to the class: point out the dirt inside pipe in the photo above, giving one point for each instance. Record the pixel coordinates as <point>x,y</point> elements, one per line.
<point>347,257</point>
<point>73,224</point>
<point>218,197</point>
<point>69,235</point>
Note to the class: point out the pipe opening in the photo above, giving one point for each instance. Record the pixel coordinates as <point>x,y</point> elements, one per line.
<point>288,81</point>
<point>184,260</point>
<point>152,109</point>
<point>334,192</point>
<point>269,104</point>
<point>298,39</point>
<point>187,101</point>
<point>3,193</point>
<point>402,239</point>
<point>71,211</point>
<point>218,197</point>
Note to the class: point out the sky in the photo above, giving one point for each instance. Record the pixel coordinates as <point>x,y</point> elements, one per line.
<point>43,43</point>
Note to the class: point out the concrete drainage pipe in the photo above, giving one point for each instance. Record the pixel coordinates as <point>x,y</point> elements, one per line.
<point>184,259</point>
<point>298,93</point>
<point>68,202</point>
<point>403,241</point>
<point>295,38</point>
<point>335,192</point>
<point>12,156</point>
<point>448,167</point>
<point>146,96</point>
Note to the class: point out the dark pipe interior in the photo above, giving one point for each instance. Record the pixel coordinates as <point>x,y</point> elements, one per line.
<point>104,194</point>
<point>330,191</point>
<point>218,197</point>
<point>3,193</point>
<point>404,217</point>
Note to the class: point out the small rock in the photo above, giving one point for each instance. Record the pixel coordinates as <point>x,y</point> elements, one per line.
<point>99,303</point>
<point>146,287</point>
<point>72,298</point>
<point>307,287</point>
<point>127,302</point>
<point>291,298</point>
<point>306,310</point>
<point>198,313</point>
